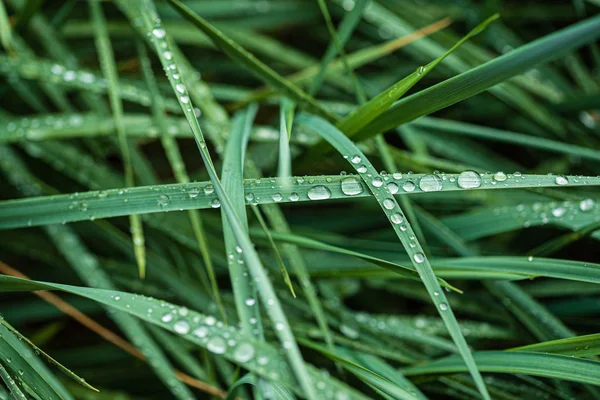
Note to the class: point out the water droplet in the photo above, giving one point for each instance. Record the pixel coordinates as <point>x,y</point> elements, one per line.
<point>243,353</point>
<point>167,318</point>
<point>377,182</point>
<point>419,258</point>
<point>388,204</point>
<point>180,87</point>
<point>319,192</point>
<point>184,99</point>
<point>430,183</point>
<point>117,298</point>
<point>561,180</point>
<point>209,189</point>
<point>216,345</point>
<point>559,212</point>
<point>586,205</point>
<point>250,301</point>
<point>500,176</point>
<point>182,327</point>
<point>201,332</point>
<point>159,33</point>
<point>408,186</point>
<point>420,70</point>
<point>469,180</point>
<point>396,218</point>
<point>355,159</point>
<point>163,200</point>
<point>443,306</point>
<point>294,196</point>
<point>277,197</point>
<point>249,196</point>
<point>215,203</point>
<point>392,187</point>
<point>210,320</point>
<point>351,187</point>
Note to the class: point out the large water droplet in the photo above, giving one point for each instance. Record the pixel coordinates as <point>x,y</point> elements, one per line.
<point>201,332</point>
<point>351,187</point>
<point>500,176</point>
<point>182,327</point>
<point>559,212</point>
<point>419,258</point>
<point>388,204</point>
<point>243,353</point>
<point>586,205</point>
<point>561,180</point>
<point>215,203</point>
<point>167,318</point>
<point>408,186</point>
<point>319,192</point>
<point>430,183</point>
<point>209,189</point>
<point>469,180</point>
<point>377,182</point>
<point>216,345</point>
<point>443,306</point>
<point>355,159</point>
<point>396,218</point>
<point>392,187</point>
<point>277,197</point>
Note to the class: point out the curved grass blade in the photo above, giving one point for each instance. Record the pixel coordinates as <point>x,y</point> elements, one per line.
<point>402,229</point>
<point>107,63</point>
<point>61,367</point>
<point>536,364</point>
<point>374,380</point>
<point>202,330</point>
<point>372,109</point>
<point>578,346</point>
<point>484,77</point>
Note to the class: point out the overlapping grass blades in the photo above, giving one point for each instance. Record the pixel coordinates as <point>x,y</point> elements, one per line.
<point>403,230</point>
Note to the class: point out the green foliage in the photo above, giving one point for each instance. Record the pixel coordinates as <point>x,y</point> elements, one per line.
<point>455,260</point>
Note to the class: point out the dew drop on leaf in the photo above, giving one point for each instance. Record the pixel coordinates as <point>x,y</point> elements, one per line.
<point>430,183</point>
<point>319,192</point>
<point>216,345</point>
<point>561,180</point>
<point>243,353</point>
<point>469,180</point>
<point>419,257</point>
<point>351,187</point>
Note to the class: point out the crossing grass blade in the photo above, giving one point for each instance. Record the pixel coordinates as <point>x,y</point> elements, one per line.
<point>393,212</point>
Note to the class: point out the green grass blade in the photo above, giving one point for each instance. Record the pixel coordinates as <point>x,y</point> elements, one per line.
<point>107,62</point>
<point>146,199</point>
<point>402,229</point>
<point>483,77</point>
<point>578,346</point>
<point>366,113</point>
<point>202,330</point>
<point>544,365</point>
